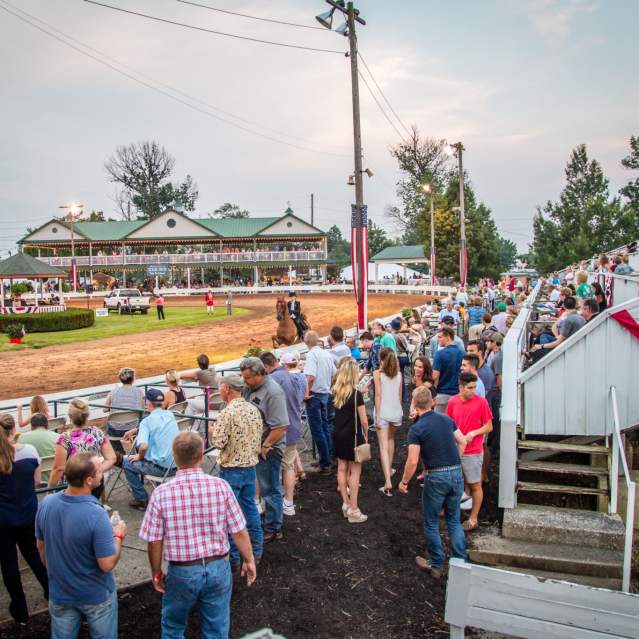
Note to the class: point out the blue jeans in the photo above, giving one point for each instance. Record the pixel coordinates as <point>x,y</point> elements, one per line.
<point>443,489</point>
<point>102,619</point>
<point>404,363</point>
<point>135,472</point>
<point>269,476</point>
<point>317,414</point>
<point>242,482</point>
<point>209,588</point>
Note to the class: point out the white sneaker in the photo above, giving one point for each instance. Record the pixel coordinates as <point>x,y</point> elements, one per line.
<point>289,509</point>
<point>356,516</point>
<point>466,502</point>
<point>260,506</point>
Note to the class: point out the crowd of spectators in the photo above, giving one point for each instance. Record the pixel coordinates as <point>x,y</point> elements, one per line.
<point>438,370</point>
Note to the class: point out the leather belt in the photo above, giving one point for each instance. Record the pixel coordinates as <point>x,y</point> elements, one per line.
<point>443,468</point>
<point>199,562</point>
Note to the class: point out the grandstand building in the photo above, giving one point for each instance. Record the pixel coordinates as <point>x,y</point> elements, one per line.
<point>181,250</point>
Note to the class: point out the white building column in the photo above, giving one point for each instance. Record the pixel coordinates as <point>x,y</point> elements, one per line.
<point>323,270</point>
<point>405,274</point>
<point>188,277</point>
<point>290,274</point>
<point>376,273</point>
<point>1,292</point>
<point>221,275</point>
<point>256,275</point>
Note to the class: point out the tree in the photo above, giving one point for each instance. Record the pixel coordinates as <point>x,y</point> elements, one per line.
<point>507,253</point>
<point>377,239</point>
<point>228,210</point>
<point>95,216</point>
<point>421,161</point>
<point>143,171</point>
<point>339,249</point>
<point>631,190</point>
<point>584,221</point>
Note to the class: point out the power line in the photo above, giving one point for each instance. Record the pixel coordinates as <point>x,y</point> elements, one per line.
<point>246,15</point>
<point>166,93</point>
<point>383,94</point>
<point>164,85</point>
<point>381,108</point>
<point>205,30</point>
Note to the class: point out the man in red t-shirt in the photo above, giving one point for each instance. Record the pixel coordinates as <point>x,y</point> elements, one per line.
<point>471,413</point>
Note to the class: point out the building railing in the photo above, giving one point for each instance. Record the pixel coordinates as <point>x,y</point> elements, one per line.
<point>195,259</point>
<point>618,451</point>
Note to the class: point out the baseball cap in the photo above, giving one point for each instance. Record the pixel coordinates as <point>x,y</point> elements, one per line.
<point>448,320</point>
<point>289,358</point>
<point>501,306</point>
<point>154,395</point>
<point>396,324</point>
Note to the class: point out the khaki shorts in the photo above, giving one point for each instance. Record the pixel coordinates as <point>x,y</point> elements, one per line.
<point>471,467</point>
<point>288,458</point>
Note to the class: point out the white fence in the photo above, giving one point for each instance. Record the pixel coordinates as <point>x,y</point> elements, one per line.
<point>531,607</point>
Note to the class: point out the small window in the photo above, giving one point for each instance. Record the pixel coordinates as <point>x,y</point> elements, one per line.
<point>289,224</point>
<point>171,223</point>
<point>54,229</point>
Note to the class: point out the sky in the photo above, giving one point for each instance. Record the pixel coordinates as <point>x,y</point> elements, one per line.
<point>521,83</point>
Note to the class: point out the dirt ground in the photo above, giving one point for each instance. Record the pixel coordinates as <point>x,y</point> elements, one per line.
<point>326,579</point>
<point>85,364</point>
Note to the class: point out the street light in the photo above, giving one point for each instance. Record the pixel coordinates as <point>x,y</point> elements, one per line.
<point>431,196</point>
<point>359,224</point>
<point>74,213</point>
<point>451,150</point>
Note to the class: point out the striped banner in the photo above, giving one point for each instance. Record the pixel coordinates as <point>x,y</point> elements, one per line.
<point>26,310</point>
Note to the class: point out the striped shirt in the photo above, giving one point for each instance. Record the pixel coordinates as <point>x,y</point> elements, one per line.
<point>193,515</point>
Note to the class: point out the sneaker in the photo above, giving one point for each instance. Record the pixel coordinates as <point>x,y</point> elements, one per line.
<point>260,506</point>
<point>138,505</point>
<point>466,502</point>
<point>345,509</point>
<point>426,566</point>
<point>273,535</point>
<point>356,517</point>
<point>289,509</point>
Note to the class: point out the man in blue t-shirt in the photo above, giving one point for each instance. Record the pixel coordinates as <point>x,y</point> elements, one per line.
<point>440,444</point>
<point>446,367</point>
<point>80,548</point>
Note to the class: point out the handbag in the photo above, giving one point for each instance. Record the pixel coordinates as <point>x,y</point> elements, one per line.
<point>362,453</point>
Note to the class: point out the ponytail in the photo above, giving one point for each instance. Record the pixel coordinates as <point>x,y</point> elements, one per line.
<point>7,452</point>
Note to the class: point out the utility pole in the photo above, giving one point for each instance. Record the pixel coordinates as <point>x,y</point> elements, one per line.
<point>359,221</point>
<point>432,239</point>
<point>463,250</point>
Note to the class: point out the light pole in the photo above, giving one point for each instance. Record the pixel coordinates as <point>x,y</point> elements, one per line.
<point>74,213</point>
<point>359,222</point>
<point>431,196</point>
<point>458,149</point>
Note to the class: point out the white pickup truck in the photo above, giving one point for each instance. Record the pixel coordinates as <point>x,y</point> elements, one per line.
<point>126,300</point>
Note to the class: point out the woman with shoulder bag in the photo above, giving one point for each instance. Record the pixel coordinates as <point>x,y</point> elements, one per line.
<point>350,437</point>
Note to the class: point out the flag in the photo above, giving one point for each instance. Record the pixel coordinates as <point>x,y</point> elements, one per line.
<point>74,273</point>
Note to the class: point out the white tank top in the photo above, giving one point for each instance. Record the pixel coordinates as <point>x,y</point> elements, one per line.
<point>390,409</point>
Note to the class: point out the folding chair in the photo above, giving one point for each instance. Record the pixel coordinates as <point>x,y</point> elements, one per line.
<point>118,418</point>
<point>57,424</point>
<point>158,480</point>
<point>46,466</point>
<point>211,465</point>
<point>184,422</point>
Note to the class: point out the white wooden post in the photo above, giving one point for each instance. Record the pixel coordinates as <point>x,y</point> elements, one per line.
<point>1,292</point>
<point>188,278</point>
<point>376,273</point>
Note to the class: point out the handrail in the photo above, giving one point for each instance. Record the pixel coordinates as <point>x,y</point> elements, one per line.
<point>617,452</point>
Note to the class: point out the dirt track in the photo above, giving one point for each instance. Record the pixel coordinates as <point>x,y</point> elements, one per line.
<point>97,362</point>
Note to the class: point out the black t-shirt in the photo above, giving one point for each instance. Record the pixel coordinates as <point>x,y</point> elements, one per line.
<point>433,433</point>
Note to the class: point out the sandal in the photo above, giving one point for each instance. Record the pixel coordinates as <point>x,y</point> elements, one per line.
<point>386,491</point>
<point>468,525</point>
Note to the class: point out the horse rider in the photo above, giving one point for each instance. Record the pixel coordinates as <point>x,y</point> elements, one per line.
<point>295,311</point>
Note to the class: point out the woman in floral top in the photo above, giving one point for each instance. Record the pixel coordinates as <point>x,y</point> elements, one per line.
<point>81,439</point>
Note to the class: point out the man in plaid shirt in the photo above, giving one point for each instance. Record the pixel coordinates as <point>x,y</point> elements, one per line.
<point>188,521</point>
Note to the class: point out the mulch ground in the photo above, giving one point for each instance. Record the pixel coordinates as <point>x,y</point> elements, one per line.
<point>327,578</point>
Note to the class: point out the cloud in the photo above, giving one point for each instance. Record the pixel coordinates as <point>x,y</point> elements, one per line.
<point>554,19</point>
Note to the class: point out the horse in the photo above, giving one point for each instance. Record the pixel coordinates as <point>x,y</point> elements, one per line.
<point>286,334</point>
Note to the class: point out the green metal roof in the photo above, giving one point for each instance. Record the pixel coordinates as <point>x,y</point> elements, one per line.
<point>415,251</point>
<point>237,227</point>
<point>25,265</point>
<point>107,231</point>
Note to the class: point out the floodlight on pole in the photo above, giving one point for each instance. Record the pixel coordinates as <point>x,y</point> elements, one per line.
<point>74,213</point>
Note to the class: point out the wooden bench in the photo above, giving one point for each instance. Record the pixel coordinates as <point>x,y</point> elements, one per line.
<point>532,607</point>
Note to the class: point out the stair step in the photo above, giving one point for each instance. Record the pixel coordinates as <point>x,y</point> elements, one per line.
<point>568,526</point>
<point>492,549</point>
<point>538,455</point>
<point>559,488</point>
<point>564,469</point>
<point>559,447</point>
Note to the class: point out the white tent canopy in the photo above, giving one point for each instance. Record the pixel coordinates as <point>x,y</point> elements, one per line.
<point>386,272</point>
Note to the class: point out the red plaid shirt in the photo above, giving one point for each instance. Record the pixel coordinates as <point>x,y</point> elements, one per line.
<point>193,514</point>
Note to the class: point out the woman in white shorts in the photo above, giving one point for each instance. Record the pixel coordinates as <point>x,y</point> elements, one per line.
<point>388,412</point>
